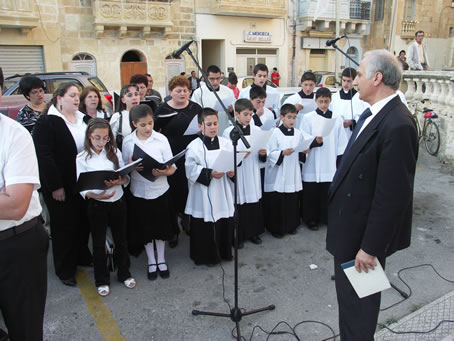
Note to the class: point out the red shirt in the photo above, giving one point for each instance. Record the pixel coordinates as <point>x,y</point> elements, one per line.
<point>277,75</point>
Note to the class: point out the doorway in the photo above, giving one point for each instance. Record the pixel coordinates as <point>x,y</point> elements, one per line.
<point>132,63</point>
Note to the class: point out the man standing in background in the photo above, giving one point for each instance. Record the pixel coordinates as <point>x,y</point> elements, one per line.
<point>417,54</point>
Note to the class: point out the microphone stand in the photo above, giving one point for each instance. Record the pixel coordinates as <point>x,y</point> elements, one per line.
<point>235,313</point>
<point>402,293</point>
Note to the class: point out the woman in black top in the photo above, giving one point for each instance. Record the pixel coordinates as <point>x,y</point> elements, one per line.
<point>59,137</point>
<point>172,119</point>
<point>33,90</point>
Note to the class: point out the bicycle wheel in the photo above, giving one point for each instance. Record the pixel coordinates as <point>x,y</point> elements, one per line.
<point>432,138</point>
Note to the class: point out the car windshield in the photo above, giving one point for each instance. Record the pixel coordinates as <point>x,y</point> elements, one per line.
<point>318,79</point>
<point>8,84</point>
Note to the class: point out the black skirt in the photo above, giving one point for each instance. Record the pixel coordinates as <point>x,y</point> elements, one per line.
<point>211,242</point>
<point>250,221</point>
<point>281,212</point>
<point>152,218</point>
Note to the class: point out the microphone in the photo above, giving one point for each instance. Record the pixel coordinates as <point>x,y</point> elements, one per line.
<point>178,52</point>
<point>334,41</point>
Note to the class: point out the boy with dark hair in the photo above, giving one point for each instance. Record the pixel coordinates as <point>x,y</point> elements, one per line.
<point>210,198</point>
<point>320,166</point>
<point>205,97</point>
<point>261,115</point>
<point>250,212</point>
<point>283,176</point>
<point>304,100</point>
<point>260,74</point>
<point>345,103</point>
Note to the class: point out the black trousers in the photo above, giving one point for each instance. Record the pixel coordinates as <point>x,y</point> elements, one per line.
<point>69,230</point>
<point>113,214</point>
<point>357,316</point>
<point>315,202</point>
<point>23,283</point>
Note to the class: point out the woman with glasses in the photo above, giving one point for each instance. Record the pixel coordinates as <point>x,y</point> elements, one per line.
<point>59,137</point>
<point>33,90</point>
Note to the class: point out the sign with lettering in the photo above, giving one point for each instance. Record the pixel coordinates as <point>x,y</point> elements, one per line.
<point>257,37</point>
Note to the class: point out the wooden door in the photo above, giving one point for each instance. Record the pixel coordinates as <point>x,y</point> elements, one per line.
<point>128,69</point>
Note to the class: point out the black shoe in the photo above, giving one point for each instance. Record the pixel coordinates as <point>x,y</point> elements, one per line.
<point>292,231</point>
<point>277,235</point>
<point>312,225</point>
<point>333,277</point>
<point>240,245</point>
<point>256,240</point>
<point>164,273</point>
<point>173,242</point>
<point>154,274</point>
<point>70,282</point>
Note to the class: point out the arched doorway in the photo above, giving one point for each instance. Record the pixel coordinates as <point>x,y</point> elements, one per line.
<point>84,62</point>
<point>132,63</point>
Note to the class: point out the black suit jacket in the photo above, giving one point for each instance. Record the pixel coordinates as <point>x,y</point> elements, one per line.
<point>371,198</point>
<point>56,152</point>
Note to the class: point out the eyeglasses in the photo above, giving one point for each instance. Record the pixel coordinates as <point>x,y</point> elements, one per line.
<point>212,79</point>
<point>142,87</point>
<point>99,138</point>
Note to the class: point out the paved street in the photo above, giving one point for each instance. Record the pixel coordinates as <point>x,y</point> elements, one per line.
<point>276,272</point>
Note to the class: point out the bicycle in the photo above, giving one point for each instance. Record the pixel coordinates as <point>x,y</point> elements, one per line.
<point>429,132</point>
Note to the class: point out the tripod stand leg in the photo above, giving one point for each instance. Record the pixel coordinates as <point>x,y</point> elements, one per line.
<point>270,307</point>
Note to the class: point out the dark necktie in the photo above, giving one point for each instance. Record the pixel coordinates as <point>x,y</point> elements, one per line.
<point>357,129</point>
<point>366,113</point>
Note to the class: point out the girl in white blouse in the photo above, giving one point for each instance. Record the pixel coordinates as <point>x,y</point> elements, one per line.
<point>150,200</point>
<point>105,207</point>
<point>129,98</point>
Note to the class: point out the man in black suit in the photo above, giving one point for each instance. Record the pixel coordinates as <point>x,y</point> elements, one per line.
<point>371,196</point>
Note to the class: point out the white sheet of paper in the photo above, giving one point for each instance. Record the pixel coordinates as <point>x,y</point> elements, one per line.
<point>193,127</point>
<point>224,160</point>
<point>304,145</point>
<point>322,126</point>
<point>271,99</point>
<point>308,105</point>
<point>259,140</point>
<point>369,283</point>
<point>227,101</point>
<point>268,125</point>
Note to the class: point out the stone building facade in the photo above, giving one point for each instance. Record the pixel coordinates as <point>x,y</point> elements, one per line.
<point>112,39</point>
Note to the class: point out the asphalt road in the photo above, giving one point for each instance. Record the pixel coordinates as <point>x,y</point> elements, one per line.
<point>277,272</point>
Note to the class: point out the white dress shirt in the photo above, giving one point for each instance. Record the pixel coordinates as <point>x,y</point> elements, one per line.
<point>157,146</point>
<point>375,109</point>
<point>96,162</point>
<point>18,165</point>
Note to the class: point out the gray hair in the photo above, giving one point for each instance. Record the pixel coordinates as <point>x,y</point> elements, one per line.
<point>384,62</point>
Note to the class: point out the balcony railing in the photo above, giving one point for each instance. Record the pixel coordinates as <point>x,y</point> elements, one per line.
<point>250,8</point>
<point>18,14</point>
<point>437,88</point>
<point>131,14</point>
<point>408,29</point>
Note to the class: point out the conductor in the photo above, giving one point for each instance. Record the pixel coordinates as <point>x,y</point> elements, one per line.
<point>371,196</point>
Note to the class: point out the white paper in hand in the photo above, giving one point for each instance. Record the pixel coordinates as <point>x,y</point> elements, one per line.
<point>369,283</point>
<point>304,145</point>
<point>193,127</point>
<point>259,140</point>
<point>322,126</point>
<point>272,99</point>
<point>227,101</point>
<point>224,160</point>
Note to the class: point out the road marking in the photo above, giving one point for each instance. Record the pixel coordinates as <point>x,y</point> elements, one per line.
<point>101,314</point>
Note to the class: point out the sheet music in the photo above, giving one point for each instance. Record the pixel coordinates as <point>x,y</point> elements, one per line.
<point>272,99</point>
<point>224,160</point>
<point>304,145</point>
<point>227,101</point>
<point>193,127</point>
<point>322,126</point>
<point>369,283</point>
<point>259,140</point>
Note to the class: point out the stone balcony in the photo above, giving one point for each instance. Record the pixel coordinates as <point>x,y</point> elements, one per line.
<point>408,29</point>
<point>438,95</point>
<point>18,14</point>
<point>354,16</point>
<point>250,8</point>
<point>143,15</point>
